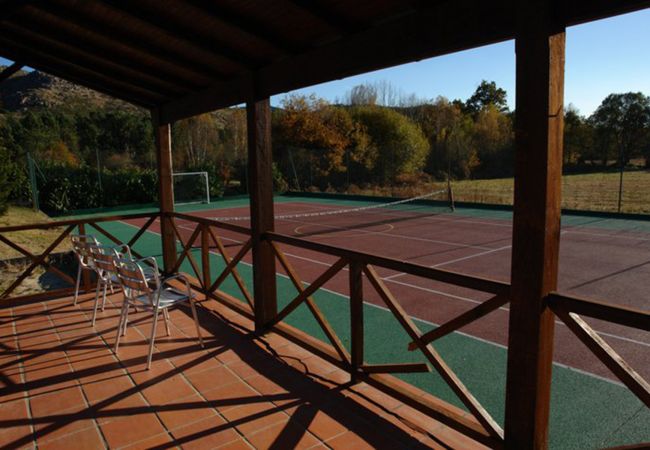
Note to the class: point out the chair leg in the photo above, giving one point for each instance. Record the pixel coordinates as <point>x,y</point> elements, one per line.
<point>76,288</point>
<point>153,336</point>
<point>121,323</point>
<point>196,321</point>
<point>166,315</point>
<point>96,301</point>
<point>104,297</point>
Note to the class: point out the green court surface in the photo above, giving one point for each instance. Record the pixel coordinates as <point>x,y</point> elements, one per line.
<point>586,411</point>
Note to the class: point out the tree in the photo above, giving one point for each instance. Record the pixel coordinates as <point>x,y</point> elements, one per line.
<point>494,142</point>
<point>316,139</point>
<point>399,145</point>
<point>486,94</point>
<point>622,123</point>
<point>577,137</point>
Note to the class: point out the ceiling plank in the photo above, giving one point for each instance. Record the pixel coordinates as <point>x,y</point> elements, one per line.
<point>9,71</point>
<point>79,75</point>
<point>128,39</point>
<point>182,32</point>
<point>432,31</point>
<point>328,17</point>
<point>83,58</point>
<point>62,36</point>
<point>248,25</point>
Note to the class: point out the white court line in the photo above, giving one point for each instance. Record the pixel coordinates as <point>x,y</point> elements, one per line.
<point>433,291</point>
<point>412,238</point>
<point>397,275</point>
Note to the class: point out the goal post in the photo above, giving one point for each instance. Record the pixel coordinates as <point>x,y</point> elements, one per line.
<point>191,187</point>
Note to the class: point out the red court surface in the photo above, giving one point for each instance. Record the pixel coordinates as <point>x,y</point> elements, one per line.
<point>605,264</point>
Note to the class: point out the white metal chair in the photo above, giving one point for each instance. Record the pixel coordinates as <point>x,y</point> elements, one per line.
<point>155,294</point>
<point>103,258</point>
<point>81,248</point>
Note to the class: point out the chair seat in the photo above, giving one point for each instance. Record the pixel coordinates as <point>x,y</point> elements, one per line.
<point>168,297</point>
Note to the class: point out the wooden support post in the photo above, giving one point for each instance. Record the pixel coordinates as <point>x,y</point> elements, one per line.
<point>165,190</point>
<point>536,230</point>
<point>260,168</point>
<point>356,319</point>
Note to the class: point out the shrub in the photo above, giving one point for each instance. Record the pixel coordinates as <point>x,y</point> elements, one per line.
<point>6,182</point>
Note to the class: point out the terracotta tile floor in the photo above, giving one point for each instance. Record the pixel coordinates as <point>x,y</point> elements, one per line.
<point>61,386</point>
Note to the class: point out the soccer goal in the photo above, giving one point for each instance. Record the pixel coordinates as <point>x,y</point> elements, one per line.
<point>191,187</point>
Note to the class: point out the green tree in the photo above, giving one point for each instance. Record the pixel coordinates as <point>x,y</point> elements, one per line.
<point>486,94</point>
<point>399,146</point>
<point>622,122</point>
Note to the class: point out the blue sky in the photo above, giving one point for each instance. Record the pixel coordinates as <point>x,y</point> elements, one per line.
<point>602,57</point>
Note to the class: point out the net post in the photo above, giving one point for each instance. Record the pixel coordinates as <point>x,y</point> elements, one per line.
<point>207,187</point>
<point>450,196</point>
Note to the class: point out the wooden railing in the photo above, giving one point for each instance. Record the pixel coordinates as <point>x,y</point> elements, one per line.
<point>206,235</point>
<point>42,259</point>
<point>480,426</point>
<point>570,309</point>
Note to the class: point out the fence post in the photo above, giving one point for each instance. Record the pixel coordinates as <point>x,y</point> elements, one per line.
<point>85,273</point>
<point>356,319</point>
<point>205,257</point>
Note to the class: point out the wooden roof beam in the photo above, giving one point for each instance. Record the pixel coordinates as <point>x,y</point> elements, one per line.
<point>61,36</point>
<point>79,75</point>
<point>184,33</point>
<point>328,17</point>
<point>87,59</point>
<point>130,40</point>
<point>9,71</point>
<point>432,31</point>
<point>252,27</point>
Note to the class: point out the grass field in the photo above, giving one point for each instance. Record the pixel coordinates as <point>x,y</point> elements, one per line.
<point>33,240</point>
<point>587,192</point>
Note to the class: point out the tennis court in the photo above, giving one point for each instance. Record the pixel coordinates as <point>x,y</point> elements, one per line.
<point>603,258</point>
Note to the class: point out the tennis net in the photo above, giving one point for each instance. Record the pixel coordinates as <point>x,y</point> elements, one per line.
<point>421,204</point>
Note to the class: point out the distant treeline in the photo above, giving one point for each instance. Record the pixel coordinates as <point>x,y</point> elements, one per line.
<point>374,136</point>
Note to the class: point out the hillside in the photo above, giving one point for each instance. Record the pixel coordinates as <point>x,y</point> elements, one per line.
<point>26,90</point>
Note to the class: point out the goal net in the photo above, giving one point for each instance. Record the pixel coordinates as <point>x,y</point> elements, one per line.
<point>191,187</point>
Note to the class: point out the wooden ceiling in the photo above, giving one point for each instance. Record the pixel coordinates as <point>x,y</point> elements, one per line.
<point>187,57</point>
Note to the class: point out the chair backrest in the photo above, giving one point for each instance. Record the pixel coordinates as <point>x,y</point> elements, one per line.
<point>81,244</point>
<point>133,280</point>
<point>104,258</point>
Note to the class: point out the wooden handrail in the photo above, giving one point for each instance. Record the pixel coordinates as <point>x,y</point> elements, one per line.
<point>622,315</point>
<point>63,223</point>
<point>445,276</point>
<point>211,222</point>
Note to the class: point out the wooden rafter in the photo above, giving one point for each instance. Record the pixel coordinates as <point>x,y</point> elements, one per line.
<point>327,16</point>
<point>9,71</point>
<point>71,40</point>
<point>81,76</point>
<point>73,51</point>
<point>247,25</point>
<point>131,40</point>
<point>178,30</point>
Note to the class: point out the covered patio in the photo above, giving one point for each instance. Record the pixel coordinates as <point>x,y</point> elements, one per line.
<point>63,387</point>
<point>259,382</point>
